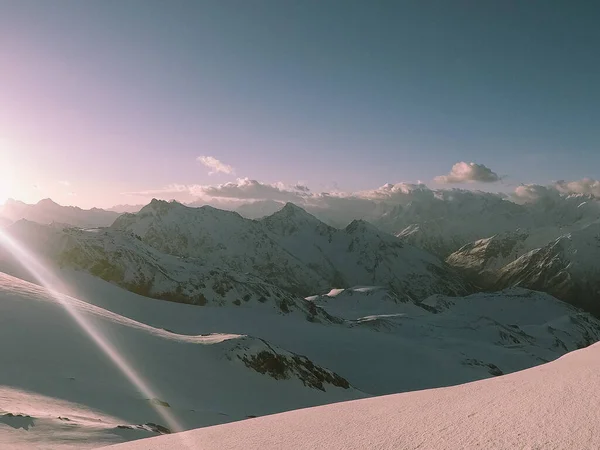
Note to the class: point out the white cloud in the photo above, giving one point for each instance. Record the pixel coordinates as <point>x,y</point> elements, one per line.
<point>247,189</point>
<point>65,183</point>
<point>463,172</point>
<point>527,193</point>
<point>396,192</point>
<point>586,186</point>
<point>215,165</point>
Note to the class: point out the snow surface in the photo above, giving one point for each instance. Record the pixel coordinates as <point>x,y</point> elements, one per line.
<point>59,390</point>
<point>553,406</point>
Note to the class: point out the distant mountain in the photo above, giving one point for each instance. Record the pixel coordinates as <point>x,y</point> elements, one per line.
<point>568,268</point>
<point>292,249</point>
<point>259,209</point>
<point>46,211</point>
<point>564,264</point>
<point>480,261</point>
<point>446,220</point>
<point>125,208</point>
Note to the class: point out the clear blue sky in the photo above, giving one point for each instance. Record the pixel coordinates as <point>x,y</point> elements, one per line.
<point>120,95</point>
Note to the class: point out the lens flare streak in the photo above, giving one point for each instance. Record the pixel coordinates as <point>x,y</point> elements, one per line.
<point>53,284</point>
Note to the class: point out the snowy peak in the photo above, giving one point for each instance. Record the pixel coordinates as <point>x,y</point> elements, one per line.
<point>292,219</point>
<point>47,203</point>
<point>562,264</point>
<point>160,207</point>
<point>362,226</point>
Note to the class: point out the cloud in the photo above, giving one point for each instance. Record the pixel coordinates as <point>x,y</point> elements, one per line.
<point>247,189</point>
<point>64,183</point>
<point>398,192</point>
<point>463,172</point>
<point>527,193</point>
<point>215,165</point>
<point>586,186</point>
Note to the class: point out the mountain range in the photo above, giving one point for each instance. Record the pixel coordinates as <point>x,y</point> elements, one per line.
<point>232,317</point>
<point>47,211</point>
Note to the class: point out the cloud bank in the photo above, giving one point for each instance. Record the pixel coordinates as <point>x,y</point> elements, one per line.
<point>463,172</point>
<point>247,189</point>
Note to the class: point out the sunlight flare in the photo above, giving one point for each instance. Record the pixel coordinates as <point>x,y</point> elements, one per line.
<point>53,284</point>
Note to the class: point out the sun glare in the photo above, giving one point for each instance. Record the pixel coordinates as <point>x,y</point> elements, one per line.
<point>53,284</point>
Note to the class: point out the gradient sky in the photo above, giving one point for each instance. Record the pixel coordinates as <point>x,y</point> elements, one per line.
<point>98,98</point>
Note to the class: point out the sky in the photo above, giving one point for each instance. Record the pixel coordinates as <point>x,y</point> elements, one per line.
<point>118,101</point>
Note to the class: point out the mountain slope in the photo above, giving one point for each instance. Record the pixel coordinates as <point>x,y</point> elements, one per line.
<point>551,406</point>
<point>78,375</point>
<point>480,261</point>
<point>444,221</point>
<point>46,211</point>
<point>567,268</point>
<point>445,345</point>
<point>125,260</point>
<point>292,249</point>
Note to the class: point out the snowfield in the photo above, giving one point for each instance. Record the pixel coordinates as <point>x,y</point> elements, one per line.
<point>58,390</point>
<point>553,406</point>
<point>76,375</point>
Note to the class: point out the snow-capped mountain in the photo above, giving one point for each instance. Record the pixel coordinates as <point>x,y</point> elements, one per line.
<point>480,261</point>
<point>567,268</point>
<point>292,249</point>
<point>550,406</point>
<point>446,220</point>
<point>46,211</point>
<point>546,259</point>
<point>121,209</point>
<point>128,262</point>
<point>92,377</point>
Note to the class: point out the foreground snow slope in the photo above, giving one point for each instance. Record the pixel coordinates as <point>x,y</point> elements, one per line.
<point>59,389</point>
<point>385,346</point>
<point>553,406</point>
